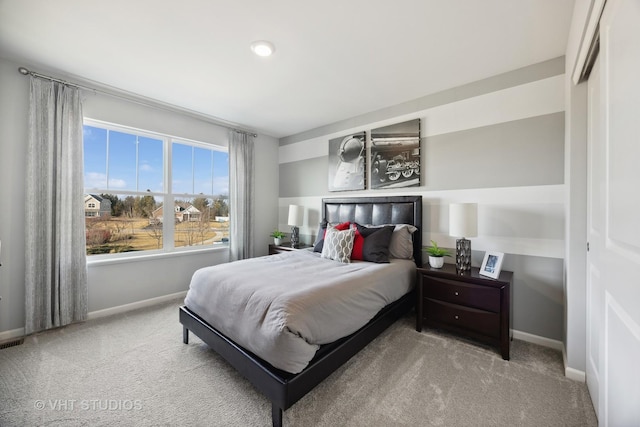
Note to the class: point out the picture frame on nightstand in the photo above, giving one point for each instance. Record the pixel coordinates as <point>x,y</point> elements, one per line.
<point>492,264</point>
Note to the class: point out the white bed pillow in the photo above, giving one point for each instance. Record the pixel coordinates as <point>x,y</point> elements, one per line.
<point>401,245</point>
<point>338,244</point>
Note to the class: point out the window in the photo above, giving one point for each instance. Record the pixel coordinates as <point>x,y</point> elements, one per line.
<point>130,175</point>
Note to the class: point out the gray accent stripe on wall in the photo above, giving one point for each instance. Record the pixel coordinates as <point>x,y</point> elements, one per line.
<point>539,71</point>
<point>524,152</point>
<point>307,177</point>
<point>527,152</point>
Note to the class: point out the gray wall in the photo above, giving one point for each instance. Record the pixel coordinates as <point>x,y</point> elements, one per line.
<point>498,142</point>
<point>522,152</point>
<point>111,283</point>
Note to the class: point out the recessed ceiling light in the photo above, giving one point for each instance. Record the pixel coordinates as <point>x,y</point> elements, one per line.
<point>263,48</point>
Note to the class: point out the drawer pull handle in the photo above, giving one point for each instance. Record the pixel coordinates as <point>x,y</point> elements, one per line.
<point>456,317</point>
<point>456,293</point>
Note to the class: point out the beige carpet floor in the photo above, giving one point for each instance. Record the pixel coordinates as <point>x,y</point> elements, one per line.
<point>134,370</point>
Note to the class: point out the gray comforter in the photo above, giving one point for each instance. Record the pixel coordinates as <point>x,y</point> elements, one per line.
<point>283,307</point>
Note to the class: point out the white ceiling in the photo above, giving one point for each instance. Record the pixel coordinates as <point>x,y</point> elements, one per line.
<point>334,59</point>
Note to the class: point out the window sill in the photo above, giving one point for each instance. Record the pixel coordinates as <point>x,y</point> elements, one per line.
<point>108,260</point>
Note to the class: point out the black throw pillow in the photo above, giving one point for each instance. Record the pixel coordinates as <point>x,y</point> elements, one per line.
<point>372,244</point>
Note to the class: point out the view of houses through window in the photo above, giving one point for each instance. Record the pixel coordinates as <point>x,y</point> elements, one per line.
<point>129,183</point>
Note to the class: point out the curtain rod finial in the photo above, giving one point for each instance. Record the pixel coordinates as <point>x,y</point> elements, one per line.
<point>23,71</point>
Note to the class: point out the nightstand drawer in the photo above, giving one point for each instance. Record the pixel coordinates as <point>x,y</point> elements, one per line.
<point>480,321</point>
<point>468,294</point>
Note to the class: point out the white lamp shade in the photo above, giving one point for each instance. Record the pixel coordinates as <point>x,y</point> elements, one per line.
<point>463,220</point>
<point>296,215</point>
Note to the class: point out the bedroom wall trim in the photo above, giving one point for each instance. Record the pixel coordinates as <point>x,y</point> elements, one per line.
<point>11,334</point>
<point>135,305</point>
<point>19,332</point>
<point>538,340</point>
<point>572,373</point>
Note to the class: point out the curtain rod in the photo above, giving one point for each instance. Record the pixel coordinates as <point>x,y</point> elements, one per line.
<point>154,104</point>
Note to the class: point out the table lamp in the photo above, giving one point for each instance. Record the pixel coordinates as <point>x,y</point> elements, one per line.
<point>296,217</point>
<point>463,222</point>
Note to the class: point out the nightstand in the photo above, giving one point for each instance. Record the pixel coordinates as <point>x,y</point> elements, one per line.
<point>470,305</point>
<point>285,247</point>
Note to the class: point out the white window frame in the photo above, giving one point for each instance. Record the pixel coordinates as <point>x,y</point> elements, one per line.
<point>168,197</point>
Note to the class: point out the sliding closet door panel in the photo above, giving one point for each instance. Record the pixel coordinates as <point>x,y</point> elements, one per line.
<point>620,259</point>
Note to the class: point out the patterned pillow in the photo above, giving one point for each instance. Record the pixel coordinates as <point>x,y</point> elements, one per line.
<point>338,244</point>
<point>318,244</point>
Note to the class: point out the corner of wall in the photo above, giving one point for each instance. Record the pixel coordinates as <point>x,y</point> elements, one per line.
<point>571,373</point>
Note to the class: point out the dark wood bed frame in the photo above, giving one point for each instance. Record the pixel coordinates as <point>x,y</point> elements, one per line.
<point>284,389</point>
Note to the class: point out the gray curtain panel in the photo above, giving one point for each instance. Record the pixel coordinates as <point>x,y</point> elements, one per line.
<point>241,195</point>
<point>56,272</point>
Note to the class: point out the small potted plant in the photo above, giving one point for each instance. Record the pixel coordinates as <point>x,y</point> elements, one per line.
<point>436,255</point>
<point>277,236</point>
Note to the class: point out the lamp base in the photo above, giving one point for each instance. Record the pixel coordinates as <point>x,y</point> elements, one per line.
<point>295,237</point>
<point>463,255</point>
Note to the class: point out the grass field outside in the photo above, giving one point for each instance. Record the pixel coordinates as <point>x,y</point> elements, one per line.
<point>116,234</point>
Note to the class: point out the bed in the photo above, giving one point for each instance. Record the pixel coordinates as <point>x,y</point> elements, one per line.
<point>282,387</point>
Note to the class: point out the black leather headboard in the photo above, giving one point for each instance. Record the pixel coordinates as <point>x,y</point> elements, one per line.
<point>378,211</point>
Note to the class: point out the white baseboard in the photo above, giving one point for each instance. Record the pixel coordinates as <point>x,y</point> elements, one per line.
<point>11,334</point>
<point>536,339</point>
<point>134,305</point>
<point>571,373</point>
<point>18,333</point>
<point>574,374</point>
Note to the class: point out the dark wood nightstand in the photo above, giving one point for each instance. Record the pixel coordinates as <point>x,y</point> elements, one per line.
<point>471,305</point>
<point>285,247</point>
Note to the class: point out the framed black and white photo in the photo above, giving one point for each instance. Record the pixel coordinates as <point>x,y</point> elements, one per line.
<point>395,155</point>
<point>492,264</point>
<point>347,163</point>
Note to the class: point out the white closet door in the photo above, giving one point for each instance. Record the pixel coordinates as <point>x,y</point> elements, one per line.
<point>615,255</point>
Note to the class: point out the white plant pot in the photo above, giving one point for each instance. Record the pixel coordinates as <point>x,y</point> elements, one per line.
<point>277,241</point>
<point>436,261</point>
